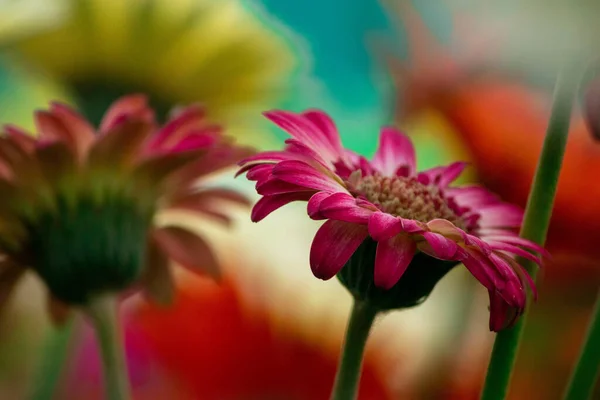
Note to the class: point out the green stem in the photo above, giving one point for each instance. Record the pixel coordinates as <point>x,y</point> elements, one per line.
<point>54,355</point>
<point>103,313</point>
<point>535,227</point>
<point>587,369</point>
<point>348,373</point>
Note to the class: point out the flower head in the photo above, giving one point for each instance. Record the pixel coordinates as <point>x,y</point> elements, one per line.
<point>101,50</point>
<point>78,203</point>
<point>391,232</point>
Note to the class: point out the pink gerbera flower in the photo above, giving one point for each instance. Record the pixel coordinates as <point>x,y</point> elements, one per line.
<point>78,204</point>
<point>391,232</point>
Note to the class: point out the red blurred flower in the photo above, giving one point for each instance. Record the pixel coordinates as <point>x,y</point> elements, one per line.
<point>220,349</point>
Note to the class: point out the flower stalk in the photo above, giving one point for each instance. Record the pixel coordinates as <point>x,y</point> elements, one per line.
<point>102,311</point>
<point>534,228</point>
<point>348,373</point>
<point>587,369</point>
<point>54,354</point>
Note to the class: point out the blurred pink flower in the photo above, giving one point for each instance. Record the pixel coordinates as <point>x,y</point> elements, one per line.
<point>406,214</point>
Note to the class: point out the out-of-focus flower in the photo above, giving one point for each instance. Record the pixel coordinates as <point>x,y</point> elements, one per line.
<point>78,204</point>
<point>494,118</point>
<point>392,232</point>
<point>216,52</point>
<point>538,36</point>
<point>229,350</point>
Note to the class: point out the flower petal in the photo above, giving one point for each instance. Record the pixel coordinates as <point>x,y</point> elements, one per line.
<point>392,258</point>
<point>333,245</point>
<point>268,204</point>
<point>187,249</point>
<point>301,128</point>
<point>502,215</point>
<point>133,107</point>
<point>119,146</point>
<point>502,315</point>
<point>314,204</point>
<point>395,150</point>
<point>157,279</point>
<point>439,246</point>
<point>81,130</point>
<point>344,207</point>
<point>302,174</point>
<point>383,226</point>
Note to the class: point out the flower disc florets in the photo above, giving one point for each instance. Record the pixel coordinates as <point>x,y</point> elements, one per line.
<point>391,232</point>
<point>79,204</point>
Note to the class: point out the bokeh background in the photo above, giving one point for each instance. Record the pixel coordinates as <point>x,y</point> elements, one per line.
<point>465,79</point>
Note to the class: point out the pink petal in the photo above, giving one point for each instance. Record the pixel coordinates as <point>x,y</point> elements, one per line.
<point>480,272</point>
<point>120,145</point>
<point>82,130</point>
<point>20,137</point>
<point>442,176</point>
<point>392,258</point>
<point>343,207</point>
<point>259,172</point>
<point>327,127</point>
<point>383,226</point>
<point>268,204</point>
<point>51,128</point>
<point>446,228</point>
<point>441,247</point>
<point>517,241</point>
<point>333,245</point>
<point>412,226</point>
<point>207,195</point>
<point>305,131</point>
<point>503,215</point>
<point>187,249</point>
<point>126,108</point>
<point>514,250</point>
<point>502,315</point>
<point>395,150</point>
<point>305,152</point>
<point>472,196</point>
<point>184,122</point>
<point>273,186</point>
<point>314,204</point>
<point>302,174</point>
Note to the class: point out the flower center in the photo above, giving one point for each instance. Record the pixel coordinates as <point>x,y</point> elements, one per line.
<point>407,198</point>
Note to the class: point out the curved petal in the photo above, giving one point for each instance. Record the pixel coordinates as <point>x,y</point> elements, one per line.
<point>133,107</point>
<point>392,258</point>
<point>187,249</point>
<point>302,174</point>
<point>157,279</point>
<point>502,315</point>
<point>314,204</point>
<point>268,204</point>
<point>395,151</point>
<point>301,128</point>
<point>439,246</point>
<point>81,130</point>
<point>442,176</point>
<point>502,215</point>
<point>327,127</point>
<point>50,128</point>
<point>333,245</point>
<point>383,226</point>
<point>344,207</point>
<point>120,145</point>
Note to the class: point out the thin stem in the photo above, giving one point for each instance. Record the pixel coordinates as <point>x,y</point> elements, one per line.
<point>535,227</point>
<point>54,356</point>
<point>587,369</point>
<point>348,373</point>
<point>103,313</point>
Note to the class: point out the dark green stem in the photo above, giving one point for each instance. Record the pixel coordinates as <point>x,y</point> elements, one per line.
<point>587,369</point>
<point>348,373</point>
<point>103,313</point>
<point>54,355</point>
<point>535,227</point>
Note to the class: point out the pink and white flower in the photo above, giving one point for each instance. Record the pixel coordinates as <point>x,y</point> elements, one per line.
<point>387,200</point>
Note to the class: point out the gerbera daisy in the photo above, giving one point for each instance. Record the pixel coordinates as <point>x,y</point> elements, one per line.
<point>217,52</point>
<point>391,232</point>
<point>78,204</point>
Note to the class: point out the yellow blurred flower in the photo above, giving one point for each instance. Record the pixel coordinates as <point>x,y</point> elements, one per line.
<point>217,52</point>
